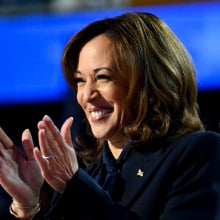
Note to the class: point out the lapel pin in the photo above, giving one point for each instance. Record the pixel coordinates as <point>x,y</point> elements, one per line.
<point>140,173</point>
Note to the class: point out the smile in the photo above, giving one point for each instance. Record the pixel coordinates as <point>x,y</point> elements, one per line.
<point>98,114</point>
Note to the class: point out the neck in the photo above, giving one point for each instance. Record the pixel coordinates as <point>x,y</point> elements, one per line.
<point>117,147</point>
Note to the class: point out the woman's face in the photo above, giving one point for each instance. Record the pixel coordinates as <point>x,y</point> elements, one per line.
<point>100,92</point>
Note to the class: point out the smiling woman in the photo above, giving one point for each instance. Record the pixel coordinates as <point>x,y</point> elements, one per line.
<point>136,84</point>
<point>100,91</point>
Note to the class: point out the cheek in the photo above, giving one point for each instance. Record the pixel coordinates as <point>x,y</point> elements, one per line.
<point>79,98</point>
<point>122,102</point>
<point>121,96</point>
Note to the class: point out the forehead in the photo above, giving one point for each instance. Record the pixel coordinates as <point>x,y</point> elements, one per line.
<point>101,40</point>
<point>99,44</point>
<point>96,53</point>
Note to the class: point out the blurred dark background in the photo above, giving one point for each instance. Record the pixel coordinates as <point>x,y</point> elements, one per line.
<point>33,34</point>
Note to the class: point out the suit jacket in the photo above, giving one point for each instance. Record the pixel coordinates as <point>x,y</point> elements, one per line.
<point>180,181</point>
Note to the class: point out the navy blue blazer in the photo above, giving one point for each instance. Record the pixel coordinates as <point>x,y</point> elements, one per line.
<point>180,181</point>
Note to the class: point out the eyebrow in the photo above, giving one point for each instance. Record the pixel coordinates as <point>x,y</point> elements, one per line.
<point>97,70</point>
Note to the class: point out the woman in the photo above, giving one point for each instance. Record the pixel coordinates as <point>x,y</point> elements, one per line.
<point>145,153</point>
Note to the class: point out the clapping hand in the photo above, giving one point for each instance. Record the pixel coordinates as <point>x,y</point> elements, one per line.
<point>57,157</point>
<point>20,174</point>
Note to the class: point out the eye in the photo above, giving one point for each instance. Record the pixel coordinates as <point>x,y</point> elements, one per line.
<point>79,80</point>
<point>104,77</point>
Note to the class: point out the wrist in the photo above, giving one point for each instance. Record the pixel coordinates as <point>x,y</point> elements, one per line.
<point>24,212</point>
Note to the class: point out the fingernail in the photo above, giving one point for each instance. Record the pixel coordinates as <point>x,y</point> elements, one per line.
<point>47,118</point>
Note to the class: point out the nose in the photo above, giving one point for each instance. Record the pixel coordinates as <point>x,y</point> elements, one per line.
<point>89,92</point>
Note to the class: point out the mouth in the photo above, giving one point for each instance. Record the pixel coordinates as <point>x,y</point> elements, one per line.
<point>100,114</point>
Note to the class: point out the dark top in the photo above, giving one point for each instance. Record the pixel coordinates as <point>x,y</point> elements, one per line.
<point>178,181</point>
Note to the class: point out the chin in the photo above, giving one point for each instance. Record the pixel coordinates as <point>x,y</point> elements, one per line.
<point>99,135</point>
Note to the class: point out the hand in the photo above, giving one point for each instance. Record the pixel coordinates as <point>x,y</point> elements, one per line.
<point>57,159</point>
<point>19,172</point>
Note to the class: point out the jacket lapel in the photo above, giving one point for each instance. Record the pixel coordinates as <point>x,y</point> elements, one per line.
<point>136,173</point>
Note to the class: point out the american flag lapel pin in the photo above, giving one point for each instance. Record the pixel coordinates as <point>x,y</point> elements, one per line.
<point>140,173</point>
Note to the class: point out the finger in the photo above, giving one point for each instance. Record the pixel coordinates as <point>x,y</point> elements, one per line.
<point>2,149</point>
<point>57,144</point>
<point>66,131</point>
<point>44,146</point>
<point>55,141</point>
<point>64,134</point>
<point>52,130</point>
<point>28,144</point>
<point>50,174</point>
<point>5,140</point>
<point>38,156</point>
<point>53,135</point>
<point>42,136</point>
<point>40,160</point>
<point>40,125</point>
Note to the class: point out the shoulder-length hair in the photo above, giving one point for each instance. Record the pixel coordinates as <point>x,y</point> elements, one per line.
<point>152,61</point>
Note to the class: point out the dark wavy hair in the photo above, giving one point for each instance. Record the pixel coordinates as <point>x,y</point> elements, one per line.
<point>152,61</point>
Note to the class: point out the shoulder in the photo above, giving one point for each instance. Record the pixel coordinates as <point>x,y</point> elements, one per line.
<point>202,145</point>
<point>200,138</point>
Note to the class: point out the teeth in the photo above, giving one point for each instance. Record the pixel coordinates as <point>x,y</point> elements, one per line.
<point>97,114</point>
